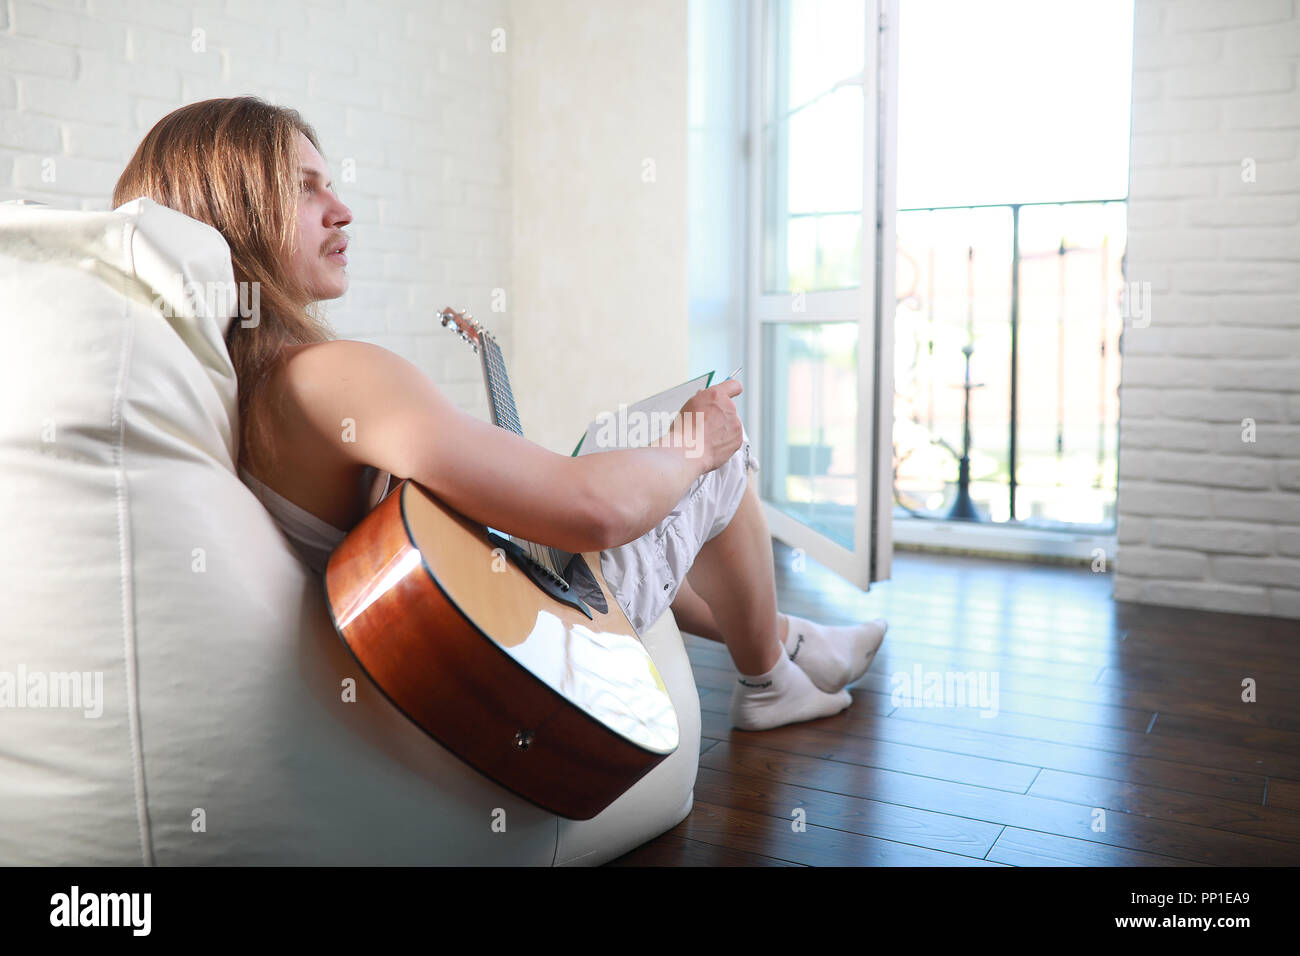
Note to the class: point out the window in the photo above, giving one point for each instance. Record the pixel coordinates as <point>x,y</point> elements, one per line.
<point>1012,176</point>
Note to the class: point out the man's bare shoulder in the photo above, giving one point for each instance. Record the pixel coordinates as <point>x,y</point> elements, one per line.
<point>337,356</point>
<point>383,399</point>
<point>313,383</point>
<point>341,367</point>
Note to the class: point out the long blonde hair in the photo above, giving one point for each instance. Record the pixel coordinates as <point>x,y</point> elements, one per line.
<point>233,163</point>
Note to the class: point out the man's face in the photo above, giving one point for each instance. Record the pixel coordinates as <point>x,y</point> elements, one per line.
<point>318,258</point>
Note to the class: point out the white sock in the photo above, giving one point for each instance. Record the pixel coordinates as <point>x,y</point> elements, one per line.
<point>784,695</point>
<point>833,657</point>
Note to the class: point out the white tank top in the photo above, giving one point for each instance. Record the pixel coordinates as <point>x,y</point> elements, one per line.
<point>314,538</point>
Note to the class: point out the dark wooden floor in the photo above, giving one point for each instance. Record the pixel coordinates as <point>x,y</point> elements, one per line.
<point>1107,713</point>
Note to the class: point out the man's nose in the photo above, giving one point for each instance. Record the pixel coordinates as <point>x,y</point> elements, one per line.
<point>339,215</point>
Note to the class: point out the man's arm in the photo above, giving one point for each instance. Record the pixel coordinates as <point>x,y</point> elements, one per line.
<point>405,425</point>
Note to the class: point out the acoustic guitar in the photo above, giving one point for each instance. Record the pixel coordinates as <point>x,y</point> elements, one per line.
<point>514,656</point>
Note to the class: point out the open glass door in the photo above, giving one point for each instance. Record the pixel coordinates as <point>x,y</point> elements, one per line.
<point>821,265</point>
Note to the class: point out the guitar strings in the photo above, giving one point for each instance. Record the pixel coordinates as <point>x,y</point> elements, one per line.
<point>506,416</point>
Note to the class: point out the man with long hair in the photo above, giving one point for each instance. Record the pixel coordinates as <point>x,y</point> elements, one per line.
<point>254,171</point>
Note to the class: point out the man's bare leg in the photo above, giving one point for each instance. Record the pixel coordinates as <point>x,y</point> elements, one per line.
<point>734,578</point>
<point>693,614</point>
<point>734,575</point>
<point>739,575</point>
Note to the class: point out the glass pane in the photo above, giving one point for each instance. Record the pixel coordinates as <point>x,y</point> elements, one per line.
<point>954,289</point>
<point>812,145</point>
<point>810,425</point>
<point>1014,101</point>
<point>1067,429</point>
<point>954,274</point>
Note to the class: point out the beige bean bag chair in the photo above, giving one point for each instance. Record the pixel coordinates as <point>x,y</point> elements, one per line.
<point>170,682</point>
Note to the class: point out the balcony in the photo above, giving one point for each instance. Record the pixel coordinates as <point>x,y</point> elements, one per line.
<point>1034,292</point>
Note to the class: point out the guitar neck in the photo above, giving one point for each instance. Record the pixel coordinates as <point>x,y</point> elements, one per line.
<point>501,405</point>
<point>501,399</point>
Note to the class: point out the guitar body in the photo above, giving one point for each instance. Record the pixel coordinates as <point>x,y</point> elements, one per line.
<point>565,709</point>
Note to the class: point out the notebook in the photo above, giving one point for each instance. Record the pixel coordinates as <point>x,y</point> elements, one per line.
<point>635,426</point>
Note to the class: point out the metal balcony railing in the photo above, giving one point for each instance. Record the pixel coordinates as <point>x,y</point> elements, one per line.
<point>1007,363</point>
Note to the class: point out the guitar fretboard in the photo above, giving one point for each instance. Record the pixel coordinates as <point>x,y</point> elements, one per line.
<point>501,400</point>
<point>499,392</point>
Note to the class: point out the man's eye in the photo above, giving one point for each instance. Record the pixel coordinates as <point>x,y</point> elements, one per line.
<point>306,186</point>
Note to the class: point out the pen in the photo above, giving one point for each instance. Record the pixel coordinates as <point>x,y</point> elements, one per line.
<point>733,374</point>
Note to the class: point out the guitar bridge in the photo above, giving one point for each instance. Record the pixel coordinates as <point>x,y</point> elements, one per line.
<point>542,576</point>
<point>558,581</point>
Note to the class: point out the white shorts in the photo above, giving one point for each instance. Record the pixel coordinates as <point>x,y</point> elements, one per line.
<point>646,574</point>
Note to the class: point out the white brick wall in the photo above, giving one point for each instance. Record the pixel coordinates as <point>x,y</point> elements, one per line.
<point>1207,520</point>
<point>407,89</point>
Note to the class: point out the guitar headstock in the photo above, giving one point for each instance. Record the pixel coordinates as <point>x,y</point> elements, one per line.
<point>463,324</point>
<point>501,402</point>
